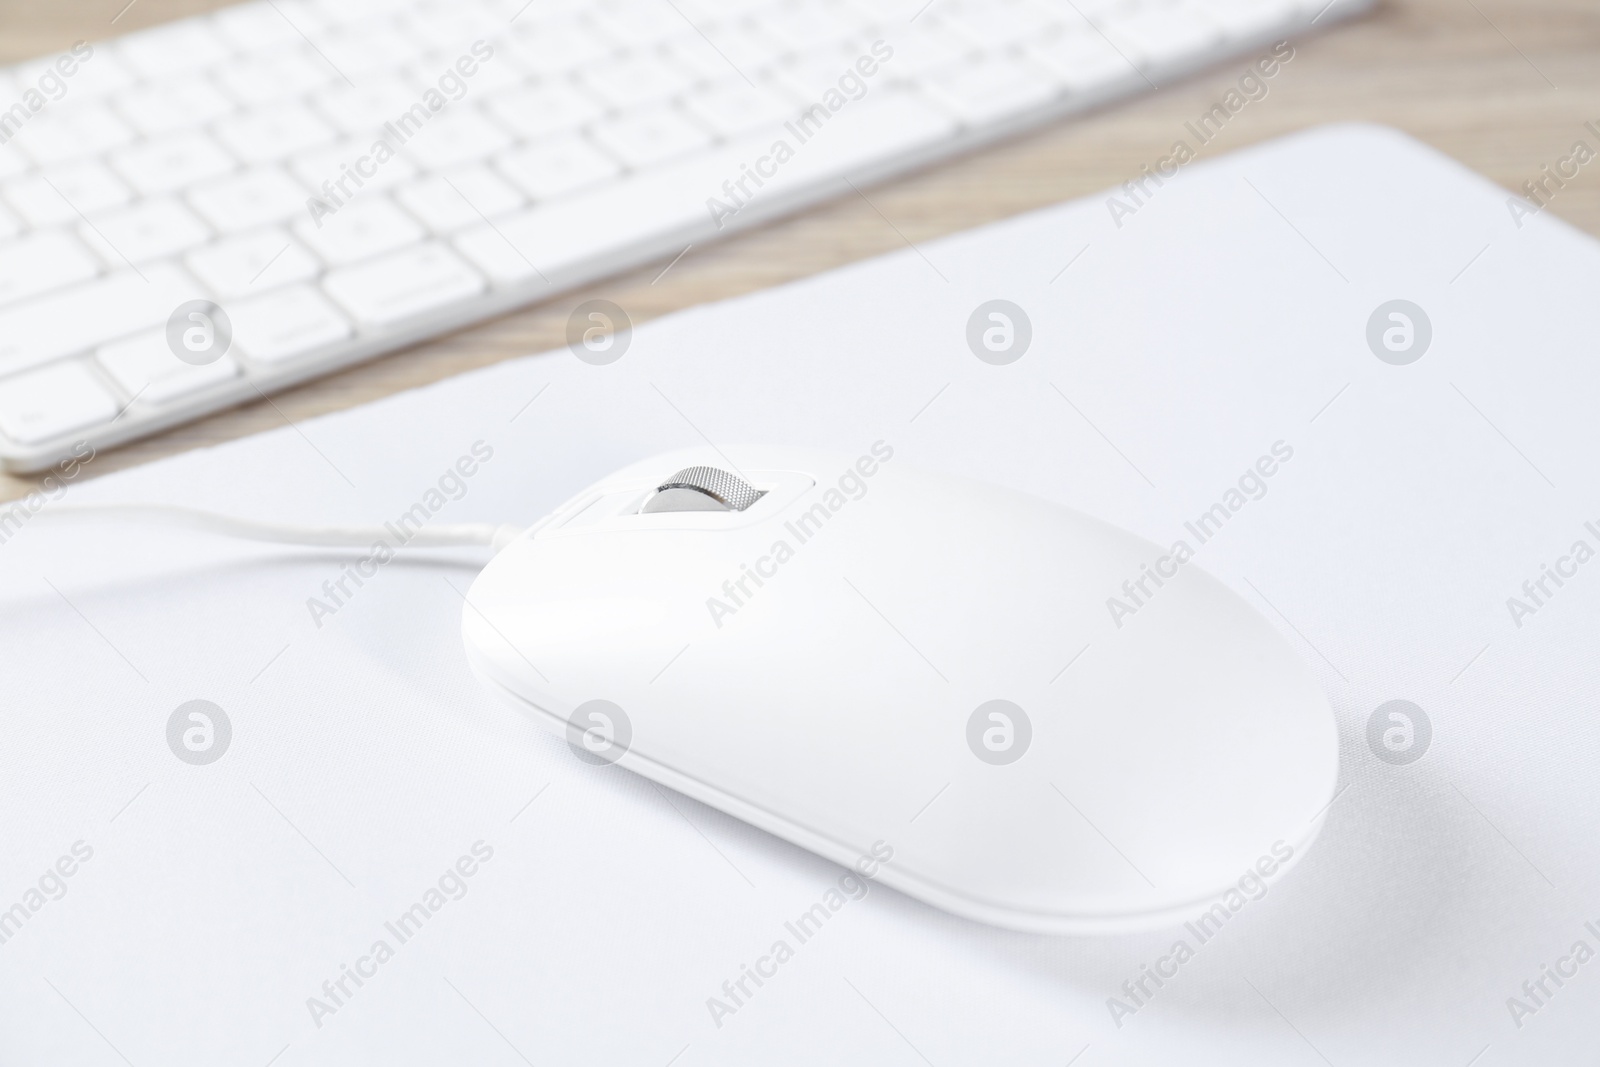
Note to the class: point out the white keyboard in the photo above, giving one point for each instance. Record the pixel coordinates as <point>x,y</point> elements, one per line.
<point>529,147</point>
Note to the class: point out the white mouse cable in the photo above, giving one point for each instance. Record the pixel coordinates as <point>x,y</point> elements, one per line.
<point>494,536</point>
<point>705,483</point>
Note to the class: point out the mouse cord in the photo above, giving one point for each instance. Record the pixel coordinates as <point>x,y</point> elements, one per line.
<point>474,533</point>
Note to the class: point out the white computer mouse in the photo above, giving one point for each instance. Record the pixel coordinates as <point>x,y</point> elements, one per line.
<point>919,674</point>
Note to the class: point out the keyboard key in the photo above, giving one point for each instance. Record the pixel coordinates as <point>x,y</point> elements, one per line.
<point>809,76</point>
<point>461,198</point>
<point>150,229</point>
<point>635,80</point>
<point>804,25</point>
<point>1094,11</point>
<point>249,27</point>
<point>557,165</point>
<point>71,131</point>
<point>1248,19</point>
<point>272,133</point>
<point>694,54</point>
<point>252,263</point>
<point>84,316</point>
<point>705,13</point>
<point>542,110</point>
<point>879,126</point>
<point>736,47</point>
<point>499,73</point>
<point>366,226</point>
<point>454,138</point>
<point>403,286</point>
<point>341,164</point>
<point>245,201</point>
<point>569,237</point>
<point>281,74</point>
<point>40,262</point>
<point>312,18</point>
<point>637,25</point>
<point>59,194</point>
<point>487,249</point>
<point>170,163</point>
<point>146,369</point>
<point>923,47</point>
<point>57,400</point>
<point>454,27</point>
<point>870,18</point>
<point>165,107</point>
<point>994,25</point>
<point>554,46</point>
<point>1083,62</point>
<point>188,44</point>
<point>100,74</point>
<point>732,108</point>
<point>1154,39</point>
<point>287,324</point>
<point>363,109</point>
<point>345,14</point>
<point>1049,16</point>
<point>373,47</point>
<point>989,90</point>
<point>649,135</point>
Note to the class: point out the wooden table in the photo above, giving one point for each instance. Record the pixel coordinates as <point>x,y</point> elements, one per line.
<point>1503,85</point>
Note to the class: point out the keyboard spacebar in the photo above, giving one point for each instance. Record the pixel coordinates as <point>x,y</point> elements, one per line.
<point>572,234</point>
<point>84,316</point>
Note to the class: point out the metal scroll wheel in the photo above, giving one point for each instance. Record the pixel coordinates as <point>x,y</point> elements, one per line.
<point>702,489</point>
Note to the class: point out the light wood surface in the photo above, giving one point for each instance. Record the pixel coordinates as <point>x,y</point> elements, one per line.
<point>1505,86</point>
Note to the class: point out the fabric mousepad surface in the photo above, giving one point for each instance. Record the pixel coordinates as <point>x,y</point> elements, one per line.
<point>364,857</point>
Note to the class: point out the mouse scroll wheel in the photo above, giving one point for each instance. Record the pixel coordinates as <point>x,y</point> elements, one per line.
<point>702,489</point>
